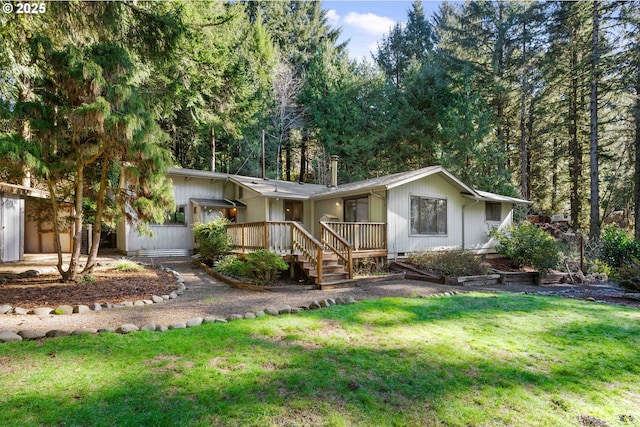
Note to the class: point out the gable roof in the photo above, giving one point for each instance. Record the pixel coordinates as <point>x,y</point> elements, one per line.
<point>302,191</point>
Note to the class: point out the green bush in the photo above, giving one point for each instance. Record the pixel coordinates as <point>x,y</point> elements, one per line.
<point>260,267</point>
<point>450,263</point>
<point>618,247</point>
<point>211,239</point>
<point>263,267</point>
<point>628,274</point>
<point>231,266</point>
<point>526,244</point>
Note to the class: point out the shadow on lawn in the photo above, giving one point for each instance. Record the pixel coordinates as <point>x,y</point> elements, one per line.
<point>254,373</point>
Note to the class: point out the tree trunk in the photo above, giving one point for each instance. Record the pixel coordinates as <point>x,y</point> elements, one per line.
<point>56,227</point>
<point>97,224</point>
<point>303,157</point>
<point>594,220</point>
<point>72,271</point>
<point>524,178</point>
<point>575,151</point>
<point>636,143</point>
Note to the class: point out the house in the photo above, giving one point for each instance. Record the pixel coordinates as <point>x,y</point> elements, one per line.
<point>389,216</point>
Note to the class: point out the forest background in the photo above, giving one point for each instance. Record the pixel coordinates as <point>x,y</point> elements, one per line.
<point>533,99</point>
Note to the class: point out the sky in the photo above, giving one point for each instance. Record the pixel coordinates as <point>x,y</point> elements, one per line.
<point>365,22</point>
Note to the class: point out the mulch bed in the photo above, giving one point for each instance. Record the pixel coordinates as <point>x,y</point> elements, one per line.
<point>110,286</point>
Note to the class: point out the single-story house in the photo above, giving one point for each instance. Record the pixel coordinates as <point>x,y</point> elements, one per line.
<point>389,216</point>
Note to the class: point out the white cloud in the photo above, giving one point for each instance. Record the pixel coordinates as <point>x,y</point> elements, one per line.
<point>370,22</point>
<point>332,17</point>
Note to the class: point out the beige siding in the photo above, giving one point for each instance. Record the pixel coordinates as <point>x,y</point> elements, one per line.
<point>257,207</point>
<point>378,207</point>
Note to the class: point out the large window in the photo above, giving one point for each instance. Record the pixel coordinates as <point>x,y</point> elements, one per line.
<point>292,210</point>
<point>356,210</point>
<point>177,217</point>
<point>492,211</point>
<point>428,215</point>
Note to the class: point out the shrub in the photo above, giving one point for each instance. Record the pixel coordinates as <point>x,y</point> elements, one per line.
<point>230,265</point>
<point>618,247</point>
<point>264,267</point>
<point>450,263</point>
<point>628,274</point>
<point>260,267</point>
<point>211,239</point>
<point>526,244</point>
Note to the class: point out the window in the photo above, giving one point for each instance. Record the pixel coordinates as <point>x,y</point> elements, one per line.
<point>356,210</point>
<point>178,217</point>
<point>428,215</point>
<point>492,211</point>
<point>292,210</point>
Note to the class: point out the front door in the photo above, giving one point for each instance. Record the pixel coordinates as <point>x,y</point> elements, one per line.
<point>10,231</point>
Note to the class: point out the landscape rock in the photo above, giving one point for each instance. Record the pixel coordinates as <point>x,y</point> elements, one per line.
<point>260,313</point>
<point>57,333</point>
<point>29,334</point>
<point>42,311</point>
<point>20,310</point>
<point>331,301</point>
<point>151,326</point>
<point>5,308</point>
<point>156,299</point>
<point>178,325</point>
<point>107,330</point>
<point>161,328</point>
<point>340,301</point>
<point>107,305</point>
<point>209,319</point>
<point>350,300</point>
<point>30,273</point>
<point>221,320</point>
<point>249,315</point>
<point>235,317</point>
<point>173,295</point>
<point>84,331</point>
<point>314,305</point>
<point>139,303</point>
<point>196,321</point>
<point>165,297</point>
<point>127,328</point>
<point>9,336</point>
<point>95,306</point>
<point>295,310</point>
<point>324,303</point>
<point>272,311</point>
<point>80,309</point>
<point>285,309</point>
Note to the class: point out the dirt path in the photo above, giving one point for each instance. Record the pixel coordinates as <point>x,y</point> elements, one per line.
<point>206,296</point>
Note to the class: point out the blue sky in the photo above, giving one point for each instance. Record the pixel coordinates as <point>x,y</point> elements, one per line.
<point>365,22</point>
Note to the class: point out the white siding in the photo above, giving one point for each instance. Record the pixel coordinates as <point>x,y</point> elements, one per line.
<point>11,228</point>
<point>477,227</point>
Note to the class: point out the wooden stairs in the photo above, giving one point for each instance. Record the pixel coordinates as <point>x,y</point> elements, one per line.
<point>332,271</point>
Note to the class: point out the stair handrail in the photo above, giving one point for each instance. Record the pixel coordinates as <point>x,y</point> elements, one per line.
<point>338,245</point>
<point>308,245</point>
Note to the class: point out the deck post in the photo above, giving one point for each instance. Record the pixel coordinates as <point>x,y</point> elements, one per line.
<point>319,266</point>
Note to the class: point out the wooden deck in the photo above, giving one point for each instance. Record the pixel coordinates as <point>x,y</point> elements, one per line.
<point>325,260</point>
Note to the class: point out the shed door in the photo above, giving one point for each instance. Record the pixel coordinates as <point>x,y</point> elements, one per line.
<point>10,232</point>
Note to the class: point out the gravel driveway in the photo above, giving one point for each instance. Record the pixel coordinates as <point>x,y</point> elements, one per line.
<point>205,297</point>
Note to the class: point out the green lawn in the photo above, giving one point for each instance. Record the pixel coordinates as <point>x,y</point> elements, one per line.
<point>467,360</point>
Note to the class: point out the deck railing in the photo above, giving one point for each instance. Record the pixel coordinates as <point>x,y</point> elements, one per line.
<point>338,245</point>
<point>362,236</point>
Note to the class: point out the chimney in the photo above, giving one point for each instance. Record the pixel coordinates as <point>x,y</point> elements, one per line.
<point>334,171</point>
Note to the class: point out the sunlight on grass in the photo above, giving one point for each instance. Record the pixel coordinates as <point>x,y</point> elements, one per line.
<point>474,359</point>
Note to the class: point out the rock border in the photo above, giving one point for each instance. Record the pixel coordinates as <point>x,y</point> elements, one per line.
<point>81,308</point>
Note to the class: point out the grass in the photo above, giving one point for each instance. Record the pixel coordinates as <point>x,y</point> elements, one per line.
<point>126,265</point>
<point>469,360</point>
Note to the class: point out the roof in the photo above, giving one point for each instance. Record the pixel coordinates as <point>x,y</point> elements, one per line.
<point>219,203</point>
<point>20,190</point>
<point>303,191</point>
<point>387,182</point>
<point>492,197</point>
<point>277,188</point>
